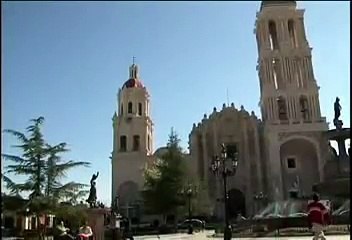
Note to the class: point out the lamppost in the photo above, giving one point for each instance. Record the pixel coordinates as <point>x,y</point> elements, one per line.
<point>220,166</point>
<point>189,191</point>
<point>115,217</point>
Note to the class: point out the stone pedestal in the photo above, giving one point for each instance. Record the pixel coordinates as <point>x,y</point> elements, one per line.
<point>342,163</point>
<point>96,222</point>
<point>337,169</point>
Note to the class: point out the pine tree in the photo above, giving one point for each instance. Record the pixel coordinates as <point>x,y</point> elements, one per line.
<point>42,165</point>
<point>164,180</point>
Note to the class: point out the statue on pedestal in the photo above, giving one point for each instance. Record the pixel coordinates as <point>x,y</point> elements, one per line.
<point>337,108</point>
<point>92,199</point>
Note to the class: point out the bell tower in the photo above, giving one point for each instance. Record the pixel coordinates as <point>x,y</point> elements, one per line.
<point>132,136</point>
<point>289,91</point>
<point>289,94</point>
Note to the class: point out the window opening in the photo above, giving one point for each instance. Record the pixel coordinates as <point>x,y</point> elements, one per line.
<point>123,143</point>
<point>273,36</point>
<point>129,107</point>
<point>291,163</point>
<point>303,102</point>
<point>140,109</point>
<point>282,108</point>
<point>292,33</point>
<point>136,142</point>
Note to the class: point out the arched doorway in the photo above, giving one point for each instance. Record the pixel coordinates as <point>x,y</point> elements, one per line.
<point>236,203</point>
<point>129,204</point>
<point>299,165</point>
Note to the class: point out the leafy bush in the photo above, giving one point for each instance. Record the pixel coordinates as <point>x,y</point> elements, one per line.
<point>73,216</point>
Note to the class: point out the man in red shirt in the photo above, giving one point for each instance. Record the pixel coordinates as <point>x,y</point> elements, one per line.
<point>318,216</point>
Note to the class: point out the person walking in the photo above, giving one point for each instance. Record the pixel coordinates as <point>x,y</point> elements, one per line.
<point>63,232</point>
<point>85,232</point>
<point>318,217</point>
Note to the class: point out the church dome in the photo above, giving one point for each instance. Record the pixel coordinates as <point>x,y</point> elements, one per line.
<point>132,83</point>
<point>160,151</point>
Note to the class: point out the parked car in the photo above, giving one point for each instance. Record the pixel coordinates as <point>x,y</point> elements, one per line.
<point>344,213</point>
<point>196,223</point>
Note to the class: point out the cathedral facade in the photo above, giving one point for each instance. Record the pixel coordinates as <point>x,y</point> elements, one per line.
<point>282,152</point>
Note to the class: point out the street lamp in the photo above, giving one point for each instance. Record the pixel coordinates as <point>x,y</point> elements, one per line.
<point>115,217</point>
<point>225,165</point>
<point>189,191</point>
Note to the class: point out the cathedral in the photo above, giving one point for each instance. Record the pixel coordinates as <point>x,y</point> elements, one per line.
<point>281,153</point>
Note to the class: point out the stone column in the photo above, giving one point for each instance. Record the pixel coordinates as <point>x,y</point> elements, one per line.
<point>276,108</point>
<point>275,169</point>
<point>244,161</point>
<point>265,30</point>
<point>205,156</point>
<point>303,39</point>
<point>258,156</point>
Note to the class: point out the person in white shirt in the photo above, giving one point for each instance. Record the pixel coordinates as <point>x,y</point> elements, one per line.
<point>62,231</point>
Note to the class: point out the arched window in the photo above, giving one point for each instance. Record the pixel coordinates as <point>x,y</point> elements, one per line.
<point>277,73</point>
<point>136,142</point>
<point>281,104</point>
<point>232,151</point>
<point>303,103</point>
<point>292,33</point>
<point>140,109</point>
<point>121,110</point>
<point>123,144</point>
<point>148,141</point>
<point>274,44</point>
<point>129,107</point>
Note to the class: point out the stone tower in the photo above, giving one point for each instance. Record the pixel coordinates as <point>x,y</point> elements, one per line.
<point>132,139</point>
<point>289,101</point>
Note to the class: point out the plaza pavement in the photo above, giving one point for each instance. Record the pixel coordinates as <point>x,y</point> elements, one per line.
<point>207,236</point>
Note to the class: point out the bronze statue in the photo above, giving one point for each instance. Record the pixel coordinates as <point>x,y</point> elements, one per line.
<point>337,109</point>
<point>92,199</point>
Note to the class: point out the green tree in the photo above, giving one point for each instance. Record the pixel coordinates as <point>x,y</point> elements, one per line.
<point>42,165</point>
<point>56,169</point>
<point>164,180</point>
<point>75,216</point>
<point>201,203</point>
<point>32,161</point>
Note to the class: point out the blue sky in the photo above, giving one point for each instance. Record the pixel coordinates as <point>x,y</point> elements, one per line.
<point>66,60</point>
